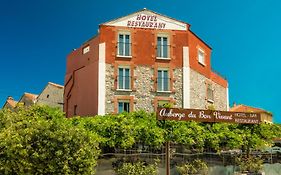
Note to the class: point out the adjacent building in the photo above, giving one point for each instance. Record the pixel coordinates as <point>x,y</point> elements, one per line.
<point>51,95</point>
<point>28,99</point>
<point>10,103</point>
<point>141,61</point>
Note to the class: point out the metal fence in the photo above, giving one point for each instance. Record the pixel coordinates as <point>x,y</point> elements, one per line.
<point>218,163</point>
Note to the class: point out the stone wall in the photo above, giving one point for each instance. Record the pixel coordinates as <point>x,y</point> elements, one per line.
<point>144,85</point>
<point>109,88</point>
<point>144,93</point>
<point>51,96</point>
<point>178,85</point>
<point>198,94</point>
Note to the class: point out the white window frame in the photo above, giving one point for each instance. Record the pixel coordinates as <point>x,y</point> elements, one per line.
<point>203,61</point>
<point>124,33</point>
<point>162,35</point>
<point>123,101</point>
<point>162,85</point>
<point>124,80</point>
<point>86,49</point>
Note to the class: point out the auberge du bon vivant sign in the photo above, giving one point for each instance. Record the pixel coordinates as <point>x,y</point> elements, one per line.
<point>199,115</point>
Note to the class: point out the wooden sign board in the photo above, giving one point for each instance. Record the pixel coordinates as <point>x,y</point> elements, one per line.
<point>200,115</point>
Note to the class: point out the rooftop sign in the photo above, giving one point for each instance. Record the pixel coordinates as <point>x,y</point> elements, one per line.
<point>199,115</point>
<point>149,20</point>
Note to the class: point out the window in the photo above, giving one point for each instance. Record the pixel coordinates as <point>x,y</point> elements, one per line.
<point>201,56</point>
<point>210,93</point>
<point>124,45</point>
<point>124,78</point>
<point>163,80</point>
<point>86,49</point>
<point>75,110</point>
<point>123,106</point>
<point>162,47</point>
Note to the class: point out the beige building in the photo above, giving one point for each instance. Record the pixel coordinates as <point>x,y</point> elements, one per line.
<point>28,99</point>
<point>52,95</point>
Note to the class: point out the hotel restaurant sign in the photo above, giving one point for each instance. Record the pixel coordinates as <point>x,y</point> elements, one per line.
<point>199,115</point>
<point>148,20</point>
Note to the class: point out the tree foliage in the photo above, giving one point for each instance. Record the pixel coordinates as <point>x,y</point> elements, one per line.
<point>39,140</point>
<point>124,130</point>
<point>127,129</point>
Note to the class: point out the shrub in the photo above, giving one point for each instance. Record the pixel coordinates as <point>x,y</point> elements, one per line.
<point>249,164</point>
<point>138,168</point>
<point>39,140</point>
<point>195,167</point>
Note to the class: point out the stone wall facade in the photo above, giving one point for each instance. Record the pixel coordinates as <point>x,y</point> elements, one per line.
<point>109,88</point>
<point>144,94</point>
<point>51,96</point>
<point>198,93</point>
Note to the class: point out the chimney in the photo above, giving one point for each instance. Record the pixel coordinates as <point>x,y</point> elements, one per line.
<point>10,98</point>
<point>234,104</point>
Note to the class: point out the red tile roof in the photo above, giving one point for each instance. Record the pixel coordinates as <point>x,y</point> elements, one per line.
<point>12,102</point>
<point>244,108</point>
<point>30,96</point>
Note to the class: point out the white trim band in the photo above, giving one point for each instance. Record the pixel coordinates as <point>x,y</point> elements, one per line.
<point>101,80</point>
<point>186,78</point>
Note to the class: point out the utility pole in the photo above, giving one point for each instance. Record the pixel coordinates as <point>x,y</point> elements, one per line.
<point>167,148</point>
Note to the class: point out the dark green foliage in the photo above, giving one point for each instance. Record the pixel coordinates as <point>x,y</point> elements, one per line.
<point>39,140</point>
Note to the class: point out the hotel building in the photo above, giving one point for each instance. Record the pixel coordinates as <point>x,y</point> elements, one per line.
<point>141,61</point>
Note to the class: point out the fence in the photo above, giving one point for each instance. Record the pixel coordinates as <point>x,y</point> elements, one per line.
<point>218,163</point>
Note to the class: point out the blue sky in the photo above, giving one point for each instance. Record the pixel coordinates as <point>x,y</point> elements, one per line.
<point>37,35</point>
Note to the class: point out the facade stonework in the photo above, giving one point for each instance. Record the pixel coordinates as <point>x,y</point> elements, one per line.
<point>220,96</point>
<point>144,87</point>
<point>109,88</point>
<point>144,93</point>
<point>178,85</point>
<point>198,93</point>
